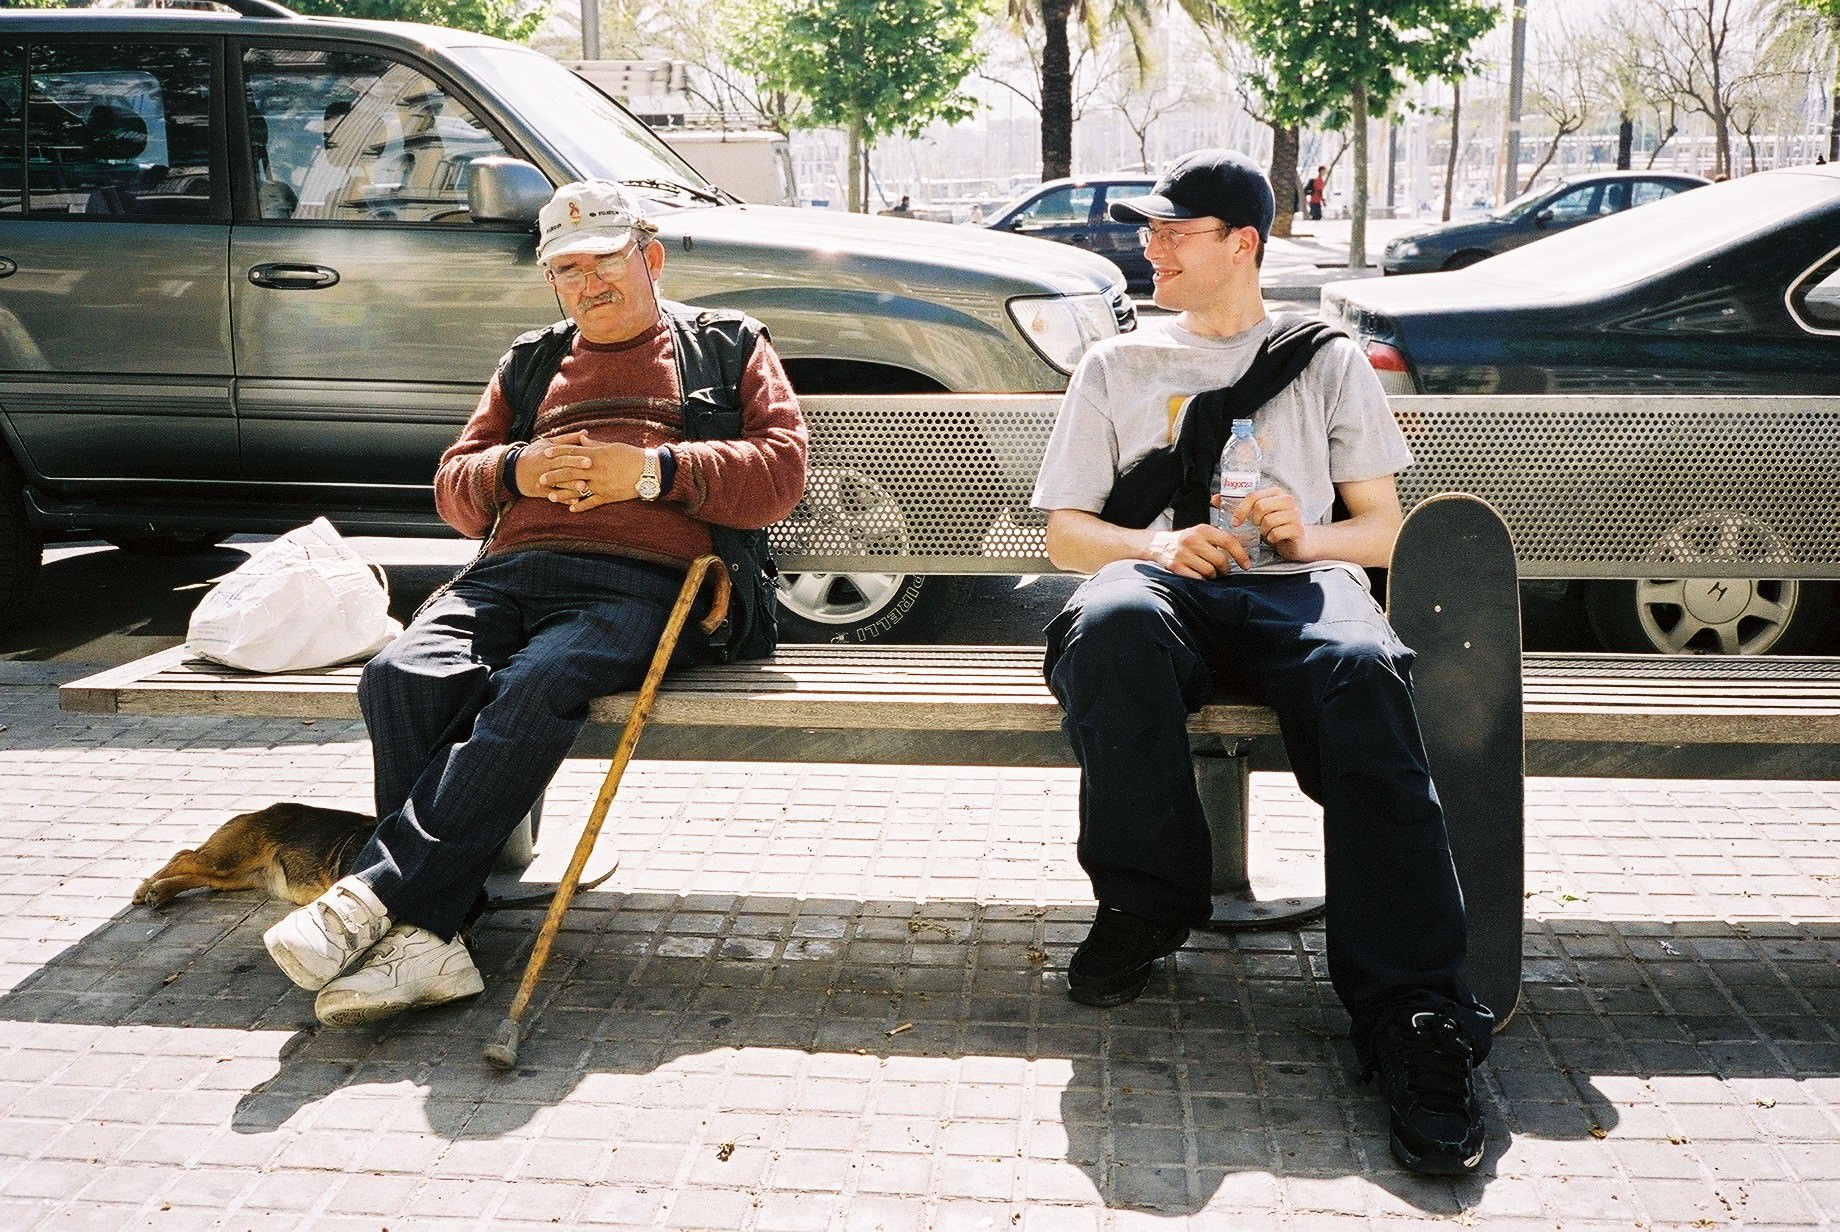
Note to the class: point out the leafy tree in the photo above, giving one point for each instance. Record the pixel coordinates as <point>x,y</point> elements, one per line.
<point>516,20</point>
<point>1338,61</point>
<point>1217,23</point>
<point>869,67</point>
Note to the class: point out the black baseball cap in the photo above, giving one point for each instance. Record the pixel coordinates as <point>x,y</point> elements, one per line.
<point>1222,184</point>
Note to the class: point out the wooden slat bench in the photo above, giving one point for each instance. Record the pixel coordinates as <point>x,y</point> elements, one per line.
<point>986,705</point>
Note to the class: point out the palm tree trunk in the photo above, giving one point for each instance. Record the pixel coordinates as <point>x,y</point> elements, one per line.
<point>1284,142</point>
<point>1625,141</point>
<point>1056,90</point>
<point>1357,220</point>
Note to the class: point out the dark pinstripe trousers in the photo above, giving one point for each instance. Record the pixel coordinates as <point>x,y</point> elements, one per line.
<point>474,707</point>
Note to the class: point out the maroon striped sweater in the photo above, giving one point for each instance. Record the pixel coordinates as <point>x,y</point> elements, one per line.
<point>628,391</point>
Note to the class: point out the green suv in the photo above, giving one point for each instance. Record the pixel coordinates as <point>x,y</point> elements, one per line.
<point>256,268</point>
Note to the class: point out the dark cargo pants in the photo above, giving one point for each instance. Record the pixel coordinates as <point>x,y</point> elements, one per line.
<point>1137,649</point>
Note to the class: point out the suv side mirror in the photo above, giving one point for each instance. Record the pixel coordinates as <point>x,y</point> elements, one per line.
<point>506,190</point>
<point>1543,218</point>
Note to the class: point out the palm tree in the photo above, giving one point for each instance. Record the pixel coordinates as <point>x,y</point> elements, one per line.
<point>1054,17</point>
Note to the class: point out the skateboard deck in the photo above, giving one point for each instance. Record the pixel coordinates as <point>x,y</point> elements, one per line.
<point>1453,596</point>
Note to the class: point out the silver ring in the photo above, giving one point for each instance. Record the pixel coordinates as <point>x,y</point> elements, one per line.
<point>585,491</point>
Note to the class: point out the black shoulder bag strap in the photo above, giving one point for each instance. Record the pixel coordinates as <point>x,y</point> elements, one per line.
<point>527,369</point>
<point>1177,475</point>
<point>712,350</point>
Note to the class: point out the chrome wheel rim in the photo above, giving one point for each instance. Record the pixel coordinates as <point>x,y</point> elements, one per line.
<point>843,512</point>
<point>1709,615</point>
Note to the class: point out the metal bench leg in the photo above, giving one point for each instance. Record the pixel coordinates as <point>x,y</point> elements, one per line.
<point>521,848</point>
<point>1223,775</point>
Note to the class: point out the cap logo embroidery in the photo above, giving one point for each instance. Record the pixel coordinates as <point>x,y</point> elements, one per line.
<point>574,212</point>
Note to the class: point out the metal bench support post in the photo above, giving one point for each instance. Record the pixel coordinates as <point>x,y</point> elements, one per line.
<point>1223,775</point>
<point>520,849</point>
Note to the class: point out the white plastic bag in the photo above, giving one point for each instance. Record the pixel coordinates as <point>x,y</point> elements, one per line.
<point>305,600</point>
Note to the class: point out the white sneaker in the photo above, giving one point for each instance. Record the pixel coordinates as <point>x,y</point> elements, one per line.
<point>410,967</point>
<point>321,939</point>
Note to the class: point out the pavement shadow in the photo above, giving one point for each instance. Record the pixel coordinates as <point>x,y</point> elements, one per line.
<point>1235,1061</point>
<point>84,597</point>
<point>89,598</point>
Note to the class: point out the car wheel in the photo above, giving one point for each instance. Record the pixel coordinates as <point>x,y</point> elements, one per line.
<point>845,511</point>
<point>1706,615</point>
<point>21,548</point>
<point>1465,259</point>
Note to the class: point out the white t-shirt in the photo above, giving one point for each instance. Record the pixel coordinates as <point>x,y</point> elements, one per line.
<point>1129,394</point>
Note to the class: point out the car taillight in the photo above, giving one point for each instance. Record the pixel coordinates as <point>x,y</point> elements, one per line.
<point>1384,358</point>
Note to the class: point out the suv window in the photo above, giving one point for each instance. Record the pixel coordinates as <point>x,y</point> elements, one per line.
<point>119,130</point>
<point>357,138</point>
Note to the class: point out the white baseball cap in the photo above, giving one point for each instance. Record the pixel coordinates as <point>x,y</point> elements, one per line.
<point>592,216</point>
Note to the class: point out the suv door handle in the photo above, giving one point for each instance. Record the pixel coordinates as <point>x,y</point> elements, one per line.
<point>294,277</point>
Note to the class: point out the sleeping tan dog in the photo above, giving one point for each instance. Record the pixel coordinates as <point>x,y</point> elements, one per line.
<point>294,851</point>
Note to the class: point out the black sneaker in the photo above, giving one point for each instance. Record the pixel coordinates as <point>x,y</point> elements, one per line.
<point>1113,964</point>
<point>1426,1077</point>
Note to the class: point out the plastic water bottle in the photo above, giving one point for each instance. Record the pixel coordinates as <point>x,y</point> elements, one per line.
<point>1240,464</point>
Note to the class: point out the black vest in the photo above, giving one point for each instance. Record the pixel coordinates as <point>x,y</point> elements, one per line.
<point>712,350</point>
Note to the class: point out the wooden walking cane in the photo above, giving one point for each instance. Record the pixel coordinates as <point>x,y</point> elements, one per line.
<point>503,1049</point>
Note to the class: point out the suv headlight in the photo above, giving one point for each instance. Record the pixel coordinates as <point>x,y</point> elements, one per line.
<point>1061,327</point>
<point>1402,248</point>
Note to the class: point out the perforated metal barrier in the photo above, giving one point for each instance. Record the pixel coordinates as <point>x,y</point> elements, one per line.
<point>1591,485</point>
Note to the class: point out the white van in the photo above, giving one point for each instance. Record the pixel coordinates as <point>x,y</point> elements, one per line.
<point>754,165</point>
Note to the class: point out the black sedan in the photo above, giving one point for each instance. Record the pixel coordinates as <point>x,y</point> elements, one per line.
<point>1075,211</point>
<point>1732,289</point>
<point>1533,215</point>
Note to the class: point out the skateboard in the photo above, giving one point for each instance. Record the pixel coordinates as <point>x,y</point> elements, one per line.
<point>1453,596</point>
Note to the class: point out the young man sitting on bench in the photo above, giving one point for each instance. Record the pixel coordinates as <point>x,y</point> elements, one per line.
<point>1174,603</point>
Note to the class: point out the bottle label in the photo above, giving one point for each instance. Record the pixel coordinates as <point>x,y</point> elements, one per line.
<point>1236,486</point>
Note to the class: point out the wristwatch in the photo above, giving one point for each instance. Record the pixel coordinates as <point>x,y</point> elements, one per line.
<point>648,487</point>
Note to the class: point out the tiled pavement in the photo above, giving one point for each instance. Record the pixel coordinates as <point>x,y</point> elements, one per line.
<point>825,997</point>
